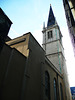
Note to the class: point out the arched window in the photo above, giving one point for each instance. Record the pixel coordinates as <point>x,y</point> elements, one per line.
<point>61,91</point>
<point>55,89</point>
<point>47,85</point>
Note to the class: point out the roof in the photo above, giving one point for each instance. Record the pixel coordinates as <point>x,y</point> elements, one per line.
<point>51,18</point>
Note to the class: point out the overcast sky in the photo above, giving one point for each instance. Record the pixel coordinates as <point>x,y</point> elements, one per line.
<point>29,15</point>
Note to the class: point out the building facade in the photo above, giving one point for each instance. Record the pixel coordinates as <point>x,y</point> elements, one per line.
<point>27,72</point>
<point>52,44</point>
<point>69,6</point>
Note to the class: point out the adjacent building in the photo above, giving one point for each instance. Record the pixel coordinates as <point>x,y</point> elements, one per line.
<point>28,71</point>
<point>69,6</point>
<point>5,24</point>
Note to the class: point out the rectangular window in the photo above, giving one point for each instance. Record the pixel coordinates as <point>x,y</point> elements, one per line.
<point>72,7</point>
<point>50,35</point>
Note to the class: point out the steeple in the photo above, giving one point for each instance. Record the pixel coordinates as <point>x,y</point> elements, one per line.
<point>52,42</point>
<point>54,51</point>
<point>51,18</point>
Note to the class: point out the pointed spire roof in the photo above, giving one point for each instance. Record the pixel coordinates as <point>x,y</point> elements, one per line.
<point>51,18</point>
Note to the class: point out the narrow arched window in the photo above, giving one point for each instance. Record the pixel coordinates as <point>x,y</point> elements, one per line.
<point>61,91</point>
<point>55,89</point>
<point>47,85</point>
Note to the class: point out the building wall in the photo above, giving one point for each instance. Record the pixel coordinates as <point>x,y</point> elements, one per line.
<point>35,58</point>
<point>53,74</point>
<point>12,66</point>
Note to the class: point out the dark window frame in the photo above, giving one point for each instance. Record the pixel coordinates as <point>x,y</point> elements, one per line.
<point>61,91</point>
<point>47,84</point>
<point>50,34</point>
<point>55,89</point>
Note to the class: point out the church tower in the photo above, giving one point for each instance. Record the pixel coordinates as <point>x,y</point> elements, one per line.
<point>52,42</point>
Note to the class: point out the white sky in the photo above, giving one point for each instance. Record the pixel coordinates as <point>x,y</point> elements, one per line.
<point>29,15</point>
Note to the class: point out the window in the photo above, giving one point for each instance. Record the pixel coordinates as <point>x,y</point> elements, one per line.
<point>55,90</point>
<point>61,91</point>
<point>72,8</point>
<point>47,85</point>
<point>50,35</point>
<point>73,38</point>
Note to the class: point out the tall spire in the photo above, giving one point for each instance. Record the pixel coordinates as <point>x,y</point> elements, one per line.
<point>51,18</point>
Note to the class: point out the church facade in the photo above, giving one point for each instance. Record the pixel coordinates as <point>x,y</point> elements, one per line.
<point>28,71</point>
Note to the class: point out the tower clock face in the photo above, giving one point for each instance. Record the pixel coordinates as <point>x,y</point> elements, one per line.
<point>2,19</point>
